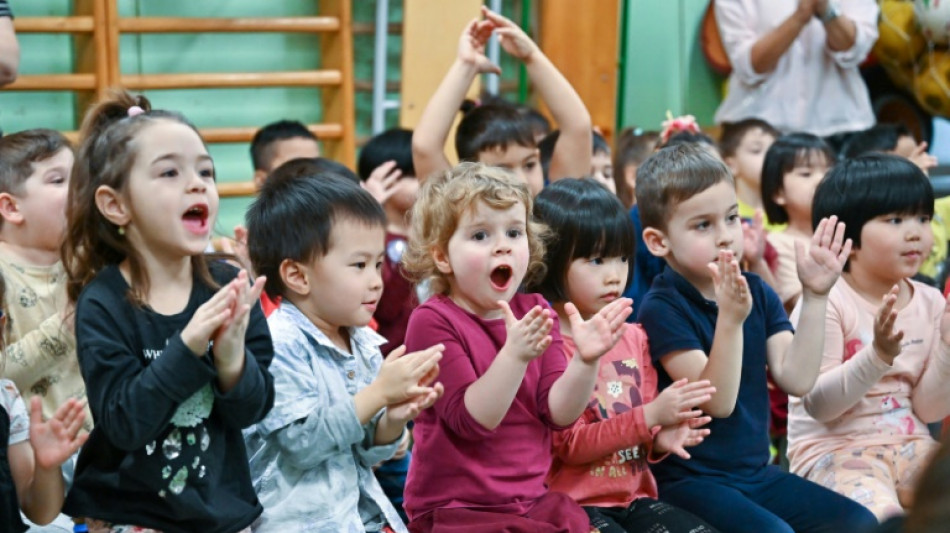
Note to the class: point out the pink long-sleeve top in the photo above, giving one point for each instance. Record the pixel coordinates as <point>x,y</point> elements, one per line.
<point>859,400</point>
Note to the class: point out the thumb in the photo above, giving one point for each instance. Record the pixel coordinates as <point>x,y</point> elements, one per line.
<point>396,354</point>
<point>714,271</point>
<point>573,315</point>
<point>506,309</point>
<point>680,382</point>
<point>36,411</point>
<point>240,234</point>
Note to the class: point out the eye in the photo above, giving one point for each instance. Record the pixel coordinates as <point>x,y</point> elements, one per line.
<point>704,225</point>
<point>733,218</point>
<point>379,265</point>
<point>57,179</point>
<point>360,265</point>
<point>924,219</point>
<point>479,236</point>
<point>169,173</point>
<point>530,165</point>
<point>207,173</point>
<point>625,259</point>
<point>894,220</point>
<point>514,233</point>
<point>597,261</point>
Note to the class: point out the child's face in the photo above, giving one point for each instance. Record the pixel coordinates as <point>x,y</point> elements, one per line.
<point>345,284</point>
<point>698,229</point>
<point>487,257</point>
<point>892,248</point>
<point>746,163</point>
<point>524,162</point>
<point>601,169</point>
<point>905,146</point>
<point>42,201</point>
<point>170,201</point>
<point>798,188</point>
<point>593,282</point>
<point>289,149</point>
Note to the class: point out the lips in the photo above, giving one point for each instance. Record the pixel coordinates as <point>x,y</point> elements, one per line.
<point>196,219</point>
<point>501,277</point>
<point>610,296</point>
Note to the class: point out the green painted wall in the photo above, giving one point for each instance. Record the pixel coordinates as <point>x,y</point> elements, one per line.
<point>664,68</point>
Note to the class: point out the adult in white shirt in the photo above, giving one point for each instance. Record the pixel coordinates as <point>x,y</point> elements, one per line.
<point>795,63</point>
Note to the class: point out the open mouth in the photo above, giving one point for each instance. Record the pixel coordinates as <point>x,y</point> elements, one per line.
<point>501,277</point>
<point>196,218</point>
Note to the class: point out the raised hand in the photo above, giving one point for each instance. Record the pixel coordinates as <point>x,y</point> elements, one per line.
<point>678,402</point>
<point>922,159</point>
<point>511,37</point>
<point>677,437</point>
<point>57,439</point>
<point>753,239</point>
<point>228,349</point>
<point>382,180</point>
<point>820,266</point>
<point>597,335</point>
<point>472,46</point>
<point>887,342</point>
<point>405,376</point>
<point>732,289</point>
<point>529,337</point>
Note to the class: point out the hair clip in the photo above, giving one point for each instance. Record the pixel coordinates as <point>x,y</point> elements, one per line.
<point>672,126</point>
<point>638,131</point>
<point>135,110</point>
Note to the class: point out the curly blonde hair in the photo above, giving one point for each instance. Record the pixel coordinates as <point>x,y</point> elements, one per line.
<point>445,198</point>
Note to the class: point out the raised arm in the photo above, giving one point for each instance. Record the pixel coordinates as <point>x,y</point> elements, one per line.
<point>851,34</point>
<point>9,49</point>
<point>572,153</point>
<point>752,55</point>
<point>429,136</point>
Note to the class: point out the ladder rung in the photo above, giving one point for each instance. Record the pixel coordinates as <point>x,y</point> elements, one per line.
<point>243,188</point>
<point>307,78</point>
<point>53,82</point>
<point>53,25</point>
<point>213,25</point>
<point>239,135</point>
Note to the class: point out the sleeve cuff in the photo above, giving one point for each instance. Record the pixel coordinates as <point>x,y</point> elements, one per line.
<point>180,372</point>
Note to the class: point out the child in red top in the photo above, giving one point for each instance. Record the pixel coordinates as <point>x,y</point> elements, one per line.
<point>602,461</point>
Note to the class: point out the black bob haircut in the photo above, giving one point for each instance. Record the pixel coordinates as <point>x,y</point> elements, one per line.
<point>861,189</point>
<point>391,145</point>
<point>786,153</point>
<point>491,126</point>
<point>586,220</point>
<point>271,133</point>
<point>293,216</point>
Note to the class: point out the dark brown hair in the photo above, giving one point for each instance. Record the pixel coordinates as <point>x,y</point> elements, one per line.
<point>632,148</point>
<point>18,152</point>
<point>733,133</point>
<point>107,152</point>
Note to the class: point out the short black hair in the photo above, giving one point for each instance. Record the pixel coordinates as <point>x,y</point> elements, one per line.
<point>269,134</point>
<point>309,166</point>
<point>491,126</point>
<point>786,153</point>
<point>586,220</point>
<point>878,138</point>
<point>391,145</point>
<point>866,187</point>
<point>733,133</point>
<point>293,215</point>
<point>540,124</point>
<point>547,144</point>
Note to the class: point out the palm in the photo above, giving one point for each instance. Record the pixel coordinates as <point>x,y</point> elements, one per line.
<point>594,335</point>
<point>51,442</point>
<point>828,251</point>
<point>672,439</point>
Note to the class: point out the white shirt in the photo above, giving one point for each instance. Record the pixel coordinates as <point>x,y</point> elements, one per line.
<point>812,89</point>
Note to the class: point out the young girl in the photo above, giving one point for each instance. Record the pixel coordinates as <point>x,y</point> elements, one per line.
<point>793,166</point>
<point>174,351</point>
<point>862,430</point>
<point>483,451</point>
<point>30,475</point>
<point>601,461</point>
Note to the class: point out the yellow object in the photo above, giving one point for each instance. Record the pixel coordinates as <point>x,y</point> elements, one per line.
<point>899,40</point>
<point>941,230</point>
<point>932,84</point>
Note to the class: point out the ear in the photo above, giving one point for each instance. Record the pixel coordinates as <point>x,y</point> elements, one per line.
<point>656,242</point>
<point>260,177</point>
<point>732,164</point>
<point>112,206</point>
<point>9,209</point>
<point>295,277</point>
<point>441,260</point>
<point>779,197</point>
<point>630,176</point>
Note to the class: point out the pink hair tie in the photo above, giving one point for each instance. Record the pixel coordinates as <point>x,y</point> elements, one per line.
<point>135,110</point>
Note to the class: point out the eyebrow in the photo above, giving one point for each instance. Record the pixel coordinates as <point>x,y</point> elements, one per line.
<point>201,157</point>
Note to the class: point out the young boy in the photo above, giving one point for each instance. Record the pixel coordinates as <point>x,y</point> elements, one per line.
<point>339,408</point>
<point>743,145</point>
<point>707,320</point>
<point>41,350</point>
<point>279,142</point>
<point>601,165</point>
<point>500,135</point>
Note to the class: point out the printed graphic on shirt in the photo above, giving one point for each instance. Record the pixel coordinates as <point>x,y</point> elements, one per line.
<point>618,391</point>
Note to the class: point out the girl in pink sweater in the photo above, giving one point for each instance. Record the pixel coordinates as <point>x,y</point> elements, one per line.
<point>885,374</point>
<point>602,461</point>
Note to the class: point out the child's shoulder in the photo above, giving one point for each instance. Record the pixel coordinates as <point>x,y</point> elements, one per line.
<point>221,271</point>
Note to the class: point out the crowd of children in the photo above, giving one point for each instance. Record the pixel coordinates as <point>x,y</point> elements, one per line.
<point>413,347</point>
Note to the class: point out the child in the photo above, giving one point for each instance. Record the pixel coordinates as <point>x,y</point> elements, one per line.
<point>500,135</point>
<point>174,365</point>
<point>601,167</point>
<point>35,166</point>
<point>706,320</point>
<point>340,409</point>
<point>601,461</point>
<point>862,430</point>
<point>793,166</point>
<point>279,142</point>
<point>633,147</point>
<point>391,152</point>
<point>33,451</point>
<point>743,146</point>
<point>483,451</point>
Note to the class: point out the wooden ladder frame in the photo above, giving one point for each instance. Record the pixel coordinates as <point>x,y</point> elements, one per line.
<point>96,27</point>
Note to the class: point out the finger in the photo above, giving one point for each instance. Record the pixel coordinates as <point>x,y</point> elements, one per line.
<point>828,230</point>
<point>819,230</point>
<point>495,17</point>
<point>395,354</point>
<point>684,415</point>
<point>240,234</point>
<point>36,411</point>
<point>714,272</point>
<point>837,240</point>
<point>680,452</point>
<point>700,421</point>
<point>845,252</point>
<point>680,383</point>
<point>544,344</point>
<point>573,315</point>
<point>509,316</point>
<point>254,292</point>
<point>758,219</point>
<point>382,170</point>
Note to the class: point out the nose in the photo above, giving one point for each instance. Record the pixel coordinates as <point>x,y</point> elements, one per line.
<point>915,231</point>
<point>724,236</point>
<point>502,245</point>
<point>196,183</point>
<point>376,282</point>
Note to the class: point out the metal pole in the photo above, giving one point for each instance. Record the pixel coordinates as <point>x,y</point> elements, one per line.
<point>379,66</point>
<point>491,80</point>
